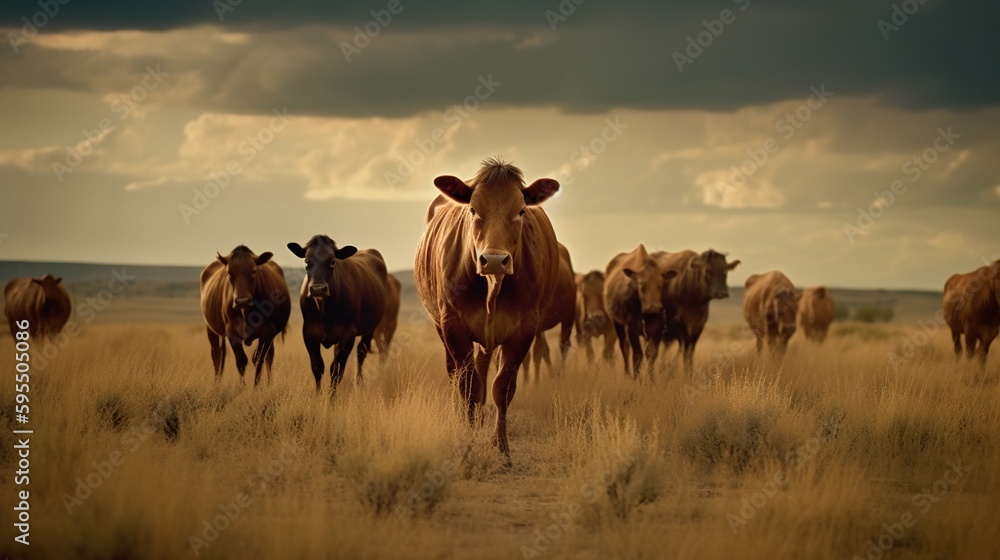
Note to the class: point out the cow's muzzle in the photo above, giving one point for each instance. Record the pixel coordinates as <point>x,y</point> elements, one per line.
<point>495,264</point>
<point>242,302</point>
<point>319,290</point>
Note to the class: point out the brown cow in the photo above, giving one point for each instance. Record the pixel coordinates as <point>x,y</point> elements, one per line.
<point>560,311</point>
<point>387,328</point>
<point>592,319</point>
<point>770,303</point>
<point>815,313</point>
<point>486,267</point>
<point>633,297</point>
<point>700,279</point>
<point>43,302</point>
<point>244,298</point>
<point>343,296</point>
<point>972,308</point>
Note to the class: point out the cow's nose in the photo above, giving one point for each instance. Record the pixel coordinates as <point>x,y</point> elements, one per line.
<point>242,302</point>
<point>318,290</point>
<point>653,309</point>
<point>495,264</point>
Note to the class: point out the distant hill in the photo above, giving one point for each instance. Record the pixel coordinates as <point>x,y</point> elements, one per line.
<point>170,293</point>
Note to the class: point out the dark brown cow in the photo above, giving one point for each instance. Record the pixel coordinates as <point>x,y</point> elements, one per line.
<point>486,267</point>
<point>700,279</point>
<point>972,308</point>
<point>815,313</point>
<point>344,296</point>
<point>387,328</point>
<point>43,302</point>
<point>561,311</point>
<point>244,298</point>
<point>633,295</point>
<point>770,303</point>
<point>592,319</point>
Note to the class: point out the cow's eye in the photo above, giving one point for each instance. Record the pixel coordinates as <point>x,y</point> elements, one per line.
<point>522,212</point>
<point>472,211</point>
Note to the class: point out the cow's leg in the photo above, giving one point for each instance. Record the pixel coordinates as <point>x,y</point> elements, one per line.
<point>269,360</point>
<point>956,340</point>
<point>264,346</point>
<point>218,352</point>
<point>240,355</point>
<point>315,360</point>
<point>449,360</point>
<point>564,341</point>
<point>461,350</point>
<point>986,339</point>
<point>588,347</point>
<point>654,336</point>
<point>339,364</point>
<point>504,386</point>
<point>364,347</point>
<point>622,335</point>
<point>689,344</point>
<point>542,352</point>
<point>636,342</point>
<point>971,339</point>
<point>609,349</point>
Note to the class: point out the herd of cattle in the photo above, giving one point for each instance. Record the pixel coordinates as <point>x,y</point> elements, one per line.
<point>493,277</point>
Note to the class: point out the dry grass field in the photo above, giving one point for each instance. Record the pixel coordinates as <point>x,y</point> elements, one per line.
<point>138,452</point>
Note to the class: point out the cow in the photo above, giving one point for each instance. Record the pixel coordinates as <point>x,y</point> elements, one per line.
<point>700,279</point>
<point>561,311</point>
<point>244,299</point>
<point>770,303</point>
<point>633,292</point>
<point>972,308</point>
<point>387,328</point>
<point>343,297</point>
<point>486,267</point>
<point>592,319</point>
<point>43,302</point>
<point>815,313</point>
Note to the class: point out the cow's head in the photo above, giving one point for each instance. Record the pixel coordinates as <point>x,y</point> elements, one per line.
<point>785,309</point>
<point>591,289</point>
<point>321,255</point>
<point>495,207</point>
<point>241,269</point>
<point>716,273</point>
<point>49,284</point>
<point>647,279</point>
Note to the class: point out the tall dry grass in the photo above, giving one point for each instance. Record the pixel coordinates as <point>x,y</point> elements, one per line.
<point>818,457</point>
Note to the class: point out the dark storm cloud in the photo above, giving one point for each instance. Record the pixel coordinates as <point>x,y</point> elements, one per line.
<point>602,56</point>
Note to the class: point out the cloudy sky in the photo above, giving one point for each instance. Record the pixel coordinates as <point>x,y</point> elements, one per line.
<point>160,134</point>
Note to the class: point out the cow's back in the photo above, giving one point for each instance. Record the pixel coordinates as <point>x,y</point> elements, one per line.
<point>760,291</point>
<point>969,300</point>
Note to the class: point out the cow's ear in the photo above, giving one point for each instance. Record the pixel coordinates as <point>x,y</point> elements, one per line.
<point>36,281</point>
<point>628,272</point>
<point>669,275</point>
<point>297,250</point>
<point>264,257</point>
<point>58,279</point>
<point>454,188</point>
<point>540,191</point>
<point>222,259</point>
<point>733,264</point>
<point>698,264</point>
<point>346,252</point>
